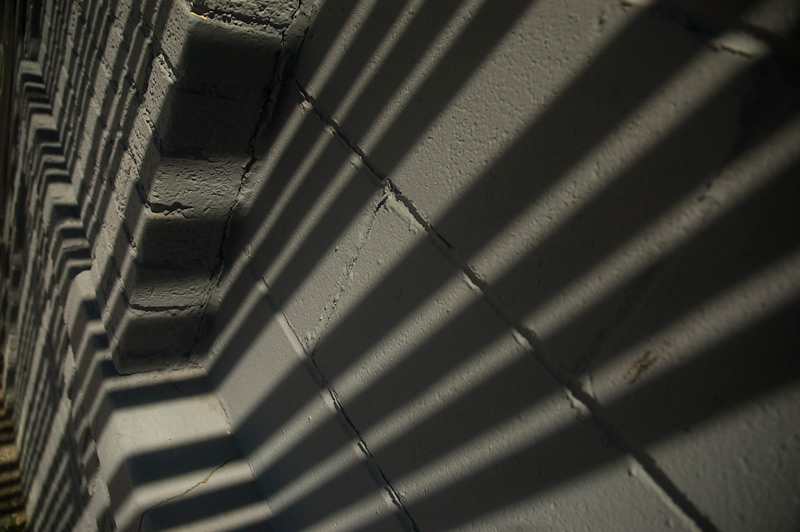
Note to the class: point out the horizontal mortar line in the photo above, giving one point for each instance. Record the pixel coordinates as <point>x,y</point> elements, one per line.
<point>159,308</point>
<point>340,132</point>
<point>562,375</point>
<point>539,352</point>
<point>777,44</point>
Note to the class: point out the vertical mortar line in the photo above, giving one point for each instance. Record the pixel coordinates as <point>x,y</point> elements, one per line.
<point>563,376</point>
<point>394,495</point>
<point>324,383</point>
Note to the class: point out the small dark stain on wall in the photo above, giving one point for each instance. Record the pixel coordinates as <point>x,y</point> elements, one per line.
<point>640,366</point>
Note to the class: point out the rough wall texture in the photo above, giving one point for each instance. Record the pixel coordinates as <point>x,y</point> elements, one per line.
<point>405,266</point>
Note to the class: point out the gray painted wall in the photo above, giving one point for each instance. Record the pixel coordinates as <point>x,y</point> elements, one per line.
<point>417,265</point>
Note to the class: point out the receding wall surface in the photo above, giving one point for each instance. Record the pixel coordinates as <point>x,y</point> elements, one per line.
<point>426,265</point>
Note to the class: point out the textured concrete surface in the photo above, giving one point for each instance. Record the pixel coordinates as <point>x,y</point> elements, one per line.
<point>12,501</point>
<point>433,265</point>
<point>134,124</point>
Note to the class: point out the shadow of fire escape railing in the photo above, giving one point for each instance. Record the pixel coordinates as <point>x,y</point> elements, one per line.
<point>705,264</point>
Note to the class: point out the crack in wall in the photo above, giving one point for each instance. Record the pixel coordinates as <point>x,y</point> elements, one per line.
<point>284,62</point>
<point>324,383</point>
<point>163,370</point>
<point>170,499</point>
<point>292,21</point>
<point>564,377</point>
<point>271,95</point>
<point>341,285</point>
<point>216,274</point>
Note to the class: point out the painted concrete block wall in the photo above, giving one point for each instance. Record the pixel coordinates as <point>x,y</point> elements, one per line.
<point>133,124</point>
<point>416,265</point>
<point>541,256</point>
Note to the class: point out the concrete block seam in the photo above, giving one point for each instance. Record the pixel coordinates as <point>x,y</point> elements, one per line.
<point>564,377</point>
<point>298,27</point>
<point>283,68</point>
<point>337,129</point>
<point>712,23</point>
<point>185,492</point>
<point>377,473</point>
<point>322,381</point>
